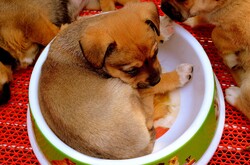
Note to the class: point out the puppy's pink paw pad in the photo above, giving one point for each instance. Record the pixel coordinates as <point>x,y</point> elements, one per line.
<point>232,94</point>
<point>185,72</point>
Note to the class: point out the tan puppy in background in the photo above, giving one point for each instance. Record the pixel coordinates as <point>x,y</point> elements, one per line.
<point>99,79</point>
<point>25,25</point>
<point>231,36</point>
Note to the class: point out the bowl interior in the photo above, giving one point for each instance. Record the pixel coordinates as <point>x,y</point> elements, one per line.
<point>196,99</point>
<point>197,95</point>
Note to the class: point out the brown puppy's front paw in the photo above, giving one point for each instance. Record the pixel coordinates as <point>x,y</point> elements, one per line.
<point>30,55</point>
<point>232,95</point>
<point>231,60</point>
<point>185,72</point>
<point>166,28</point>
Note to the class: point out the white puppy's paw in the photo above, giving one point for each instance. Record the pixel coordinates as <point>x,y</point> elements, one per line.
<point>166,27</point>
<point>231,60</point>
<point>185,72</point>
<point>232,94</point>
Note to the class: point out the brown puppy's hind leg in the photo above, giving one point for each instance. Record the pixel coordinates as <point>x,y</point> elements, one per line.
<point>41,30</point>
<point>227,48</point>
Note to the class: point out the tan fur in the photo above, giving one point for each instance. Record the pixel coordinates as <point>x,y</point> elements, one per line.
<point>107,5</point>
<point>231,36</point>
<point>160,109</point>
<point>99,79</point>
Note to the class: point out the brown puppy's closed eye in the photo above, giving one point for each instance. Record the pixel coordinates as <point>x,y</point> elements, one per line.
<point>105,74</point>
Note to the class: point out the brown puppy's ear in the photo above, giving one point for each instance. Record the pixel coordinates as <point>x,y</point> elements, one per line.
<point>96,45</point>
<point>148,12</point>
<point>153,26</point>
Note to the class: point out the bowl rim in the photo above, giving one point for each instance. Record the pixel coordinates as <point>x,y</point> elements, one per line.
<point>180,141</point>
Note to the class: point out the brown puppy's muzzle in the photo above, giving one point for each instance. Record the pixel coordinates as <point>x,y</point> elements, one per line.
<point>172,11</point>
<point>153,79</point>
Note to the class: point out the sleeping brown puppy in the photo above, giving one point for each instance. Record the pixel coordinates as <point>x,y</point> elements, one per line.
<point>99,79</point>
<point>231,36</point>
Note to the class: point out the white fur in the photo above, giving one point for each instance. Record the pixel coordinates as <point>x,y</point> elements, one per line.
<point>232,94</point>
<point>30,55</point>
<point>166,27</point>
<point>231,60</point>
<point>185,73</point>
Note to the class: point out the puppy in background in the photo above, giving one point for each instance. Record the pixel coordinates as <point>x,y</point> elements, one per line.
<point>98,82</point>
<point>231,36</point>
<point>26,25</point>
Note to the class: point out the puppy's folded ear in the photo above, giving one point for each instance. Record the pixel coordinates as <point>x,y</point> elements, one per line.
<point>153,26</point>
<point>148,12</point>
<point>96,44</point>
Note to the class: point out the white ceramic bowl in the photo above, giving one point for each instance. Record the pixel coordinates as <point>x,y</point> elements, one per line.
<point>192,135</point>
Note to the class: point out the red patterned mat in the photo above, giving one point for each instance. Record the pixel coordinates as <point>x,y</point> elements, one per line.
<point>14,143</point>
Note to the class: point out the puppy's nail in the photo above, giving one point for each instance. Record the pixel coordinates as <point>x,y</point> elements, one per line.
<point>185,73</point>
<point>192,69</point>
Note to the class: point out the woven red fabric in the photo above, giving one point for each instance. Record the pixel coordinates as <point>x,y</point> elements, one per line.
<point>15,148</point>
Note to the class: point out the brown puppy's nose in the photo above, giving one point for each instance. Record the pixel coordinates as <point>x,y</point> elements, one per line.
<point>171,11</point>
<point>154,80</point>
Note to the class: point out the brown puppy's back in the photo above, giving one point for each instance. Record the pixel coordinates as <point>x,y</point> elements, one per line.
<point>101,128</point>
